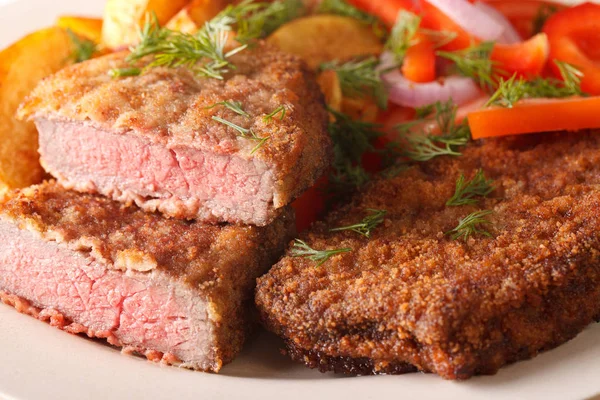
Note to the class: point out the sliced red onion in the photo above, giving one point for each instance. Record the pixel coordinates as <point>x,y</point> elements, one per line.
<point>510,34</point>
<point>470,18</point>
<point>410,94</point>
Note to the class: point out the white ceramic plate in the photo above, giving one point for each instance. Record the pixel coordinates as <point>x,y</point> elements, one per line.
<point>41,362</point>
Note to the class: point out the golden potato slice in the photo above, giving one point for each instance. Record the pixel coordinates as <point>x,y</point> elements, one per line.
<point>89,28</point>
<point>123,18</point>
<point>322,38</point>
<point>363,109</point>
<point>330,86</point>
<point>22,65</point>
<point>194,15</point>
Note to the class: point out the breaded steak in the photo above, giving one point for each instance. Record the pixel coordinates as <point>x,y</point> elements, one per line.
<point>175,291</point>
<point>410,297</point>
<point>154,140</point>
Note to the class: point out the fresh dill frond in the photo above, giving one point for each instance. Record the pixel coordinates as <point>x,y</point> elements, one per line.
<point>571,77</point>
<point>360,77</point>
<point>203,53</point>
<point>471,225</point>
<point>511,90</point>
<point>403,34</point>
<point>342,8</point>
<point>265,18</point>
<point>123,72</point>
<point>301,249</point>
<point>368,223</point>
<point>423,146</point>
<point>467,192</point>
<point>351,140</point>
<point>475,62</point>
<point>83,49</point>
<point>544,12</point>
<point>394,170</point>
<point>244,132</point>
<point>235,106</point>
<point>281,110</point>
<point>439,38</point>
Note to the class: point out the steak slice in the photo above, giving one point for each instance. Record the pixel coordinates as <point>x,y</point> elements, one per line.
<point>152,139</point>
<point>410,295</point>
<point>172,290</point>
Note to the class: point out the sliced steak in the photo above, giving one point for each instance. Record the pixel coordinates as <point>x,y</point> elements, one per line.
<point>172,290</point>
<point>411,295</point>
<point>152,139</point>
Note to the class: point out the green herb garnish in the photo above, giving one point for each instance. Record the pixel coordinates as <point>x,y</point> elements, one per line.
<point>475,62</point>
<point>83,50</point>
<point>281,110</point>
<point>244,132</point>
<point>467,192</point>
<point>342,8</point>
<point>512,90</point>
<point>360,77</point>
<point>368,223</point>
<point>263,18</point>
<point>403,34</point>
<point>301,249</point>
<point>123,72</point>
<point>235,106</point>
<point>471,225</point>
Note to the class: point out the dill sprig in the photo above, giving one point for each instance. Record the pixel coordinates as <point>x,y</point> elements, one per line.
<point>423,146</point>
<point>511,90</point>
<point>351,139</point>
<point>471,225</point>
<point>301,249</point>
<point>368,223</point>
<point>235,106</point>
<point>475,62</point>
<point>544,12</point>
<point>264,18</point>
<point>360,77</point>
<point>467,192</point>
<point>123,72</point>
<point>342,8</point>
<point>403,34</point>
<point>281,110</point>
<point>244,132</point>
<point>203,53</point>
<point>83,49</point>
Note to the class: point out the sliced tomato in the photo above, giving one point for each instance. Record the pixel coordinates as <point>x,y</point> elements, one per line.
<point>526,59</point>
<point>311,205</point>
<point>522,13</point>
<point>385,10</point>
<point>532,116</point>
<point>419,62</point>
<point>566,30</point>
<point>436,20</point>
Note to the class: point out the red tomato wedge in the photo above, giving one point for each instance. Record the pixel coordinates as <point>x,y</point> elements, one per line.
<point>385,10</point>
<point>566,30</point>
<point>526,59</point>
<point>522,13</point>
<point>419,62</point>
<point>532,116</point>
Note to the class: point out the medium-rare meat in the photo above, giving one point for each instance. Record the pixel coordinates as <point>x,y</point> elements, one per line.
<point>152,139</point>
<point>411,297</point>
<point>176,291</point>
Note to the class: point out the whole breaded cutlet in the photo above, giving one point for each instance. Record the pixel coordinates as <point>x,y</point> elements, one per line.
<point>412,298</point>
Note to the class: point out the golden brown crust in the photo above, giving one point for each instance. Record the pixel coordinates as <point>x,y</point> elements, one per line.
<point>411,294</point>
<point>169,106</point>
<point>214,258</point>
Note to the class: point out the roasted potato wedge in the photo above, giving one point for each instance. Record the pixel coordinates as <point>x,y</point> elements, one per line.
<point>193,16</point>
<point>89,28</point>
<point>22,66</point>
<point>330,86</point>
<point>321,38</point>
<point>363,109</point>
<point>122,18</point>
